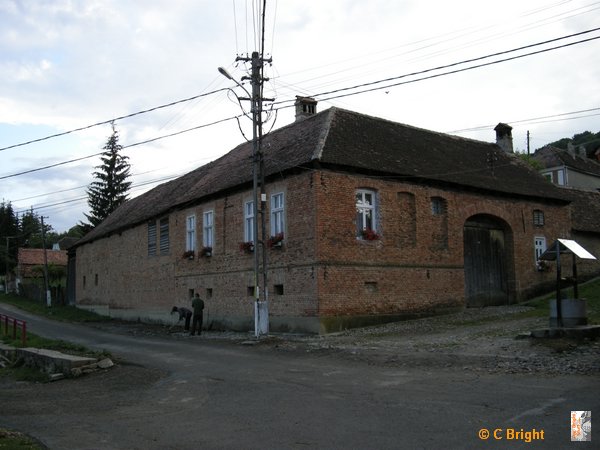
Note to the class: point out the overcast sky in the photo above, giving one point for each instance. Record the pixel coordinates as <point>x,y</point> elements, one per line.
<point>69,64</point>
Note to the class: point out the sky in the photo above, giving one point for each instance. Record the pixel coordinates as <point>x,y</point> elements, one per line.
<point>69,64</point>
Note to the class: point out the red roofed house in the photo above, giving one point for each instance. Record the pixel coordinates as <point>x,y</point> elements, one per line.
<point>30,277</point>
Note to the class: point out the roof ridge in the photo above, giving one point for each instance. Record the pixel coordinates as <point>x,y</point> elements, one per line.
<point>318,153</point>
<point>413,127</point>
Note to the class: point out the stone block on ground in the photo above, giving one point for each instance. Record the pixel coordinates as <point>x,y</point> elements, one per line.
<point>51,361</point>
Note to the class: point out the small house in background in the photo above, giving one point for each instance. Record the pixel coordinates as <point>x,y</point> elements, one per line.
<point>370,221</point>
<point>569,168</point>
<point>30,272</point>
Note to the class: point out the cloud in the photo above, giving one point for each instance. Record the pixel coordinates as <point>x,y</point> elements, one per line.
<point>66,64</point>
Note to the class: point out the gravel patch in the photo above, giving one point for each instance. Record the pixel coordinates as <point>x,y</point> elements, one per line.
<point>490,340</point>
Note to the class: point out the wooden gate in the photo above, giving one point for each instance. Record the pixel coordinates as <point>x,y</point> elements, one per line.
<point>485,263</point>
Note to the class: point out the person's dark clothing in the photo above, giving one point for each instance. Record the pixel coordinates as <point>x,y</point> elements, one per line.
<point>183,313</point>
<point>198,305</point>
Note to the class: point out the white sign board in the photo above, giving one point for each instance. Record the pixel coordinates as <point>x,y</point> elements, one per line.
<point>566,246</point>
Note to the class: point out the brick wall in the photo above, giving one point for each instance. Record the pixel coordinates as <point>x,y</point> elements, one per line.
<point>417,264</point>
<point>322,270</point>
<point>129,279</point>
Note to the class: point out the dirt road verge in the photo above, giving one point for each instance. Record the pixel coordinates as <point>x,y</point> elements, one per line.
<point>492,340</point>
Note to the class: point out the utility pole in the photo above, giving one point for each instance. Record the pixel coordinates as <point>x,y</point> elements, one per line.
<point>261,307</point>
<point>48,296</point>
<point>527,142</point>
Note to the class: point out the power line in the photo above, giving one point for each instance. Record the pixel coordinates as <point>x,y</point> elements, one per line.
<point>480,58</point>
<point>25,172</point>
<point>321,94</point>
<point>485,127</point>
<point>80,199</point>
<point>170,177</point>
<point>458,70</point>
<point>370,62</point>
<point>106,122</point>
<point>61,191</point>
<point>147,141</point>
<point>433,41</point>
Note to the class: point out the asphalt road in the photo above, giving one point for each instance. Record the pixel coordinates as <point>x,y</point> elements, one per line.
<point>201,393</point>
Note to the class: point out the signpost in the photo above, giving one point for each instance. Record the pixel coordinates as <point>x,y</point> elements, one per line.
<point>561,247</point>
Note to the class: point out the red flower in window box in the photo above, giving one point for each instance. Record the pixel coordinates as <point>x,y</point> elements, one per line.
<point>369,235</point>
<point>189,254</point>
<point>247,247</point>
<point>275,241</point>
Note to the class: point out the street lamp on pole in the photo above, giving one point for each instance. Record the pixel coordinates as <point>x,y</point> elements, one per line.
<point>226,74</point>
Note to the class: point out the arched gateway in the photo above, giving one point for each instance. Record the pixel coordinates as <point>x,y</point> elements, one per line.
<point>488,250</point>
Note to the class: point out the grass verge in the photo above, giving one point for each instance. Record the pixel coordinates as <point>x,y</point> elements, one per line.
<point>14,440</point>
<point>65,313</point>
<point>61,313</point>
<point>589,291</point>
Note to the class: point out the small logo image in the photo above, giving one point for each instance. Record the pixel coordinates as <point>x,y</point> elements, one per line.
<point>581,426</point>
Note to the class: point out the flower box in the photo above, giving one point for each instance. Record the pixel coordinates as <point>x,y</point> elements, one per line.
<point>275,241</point>
<point>189,254</point>
<point>247,247</point>
<point>369,235</point>
<point>206,252</point>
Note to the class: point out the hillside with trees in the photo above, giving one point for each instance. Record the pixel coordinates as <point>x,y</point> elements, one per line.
<point>587,138</point>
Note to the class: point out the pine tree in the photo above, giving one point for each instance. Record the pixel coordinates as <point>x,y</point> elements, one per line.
<point>9,232</point>
<point>110,188</point>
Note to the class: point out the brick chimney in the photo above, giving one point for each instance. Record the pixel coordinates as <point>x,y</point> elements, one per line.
<point>305,107</point>
<point>504,137</point>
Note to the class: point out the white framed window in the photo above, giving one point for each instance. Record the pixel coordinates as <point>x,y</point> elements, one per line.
<point>560,177</point>
<point>366,211</point>
<point>190,233</point>
<point>249,221</point>
<point>540,246</point>
<point>208,229</point>
<point>277,214</point>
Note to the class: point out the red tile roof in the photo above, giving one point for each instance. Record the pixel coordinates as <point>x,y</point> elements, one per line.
<point>35,256</point>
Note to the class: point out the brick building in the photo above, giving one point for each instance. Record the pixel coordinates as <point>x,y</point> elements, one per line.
<point>379,220</point>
